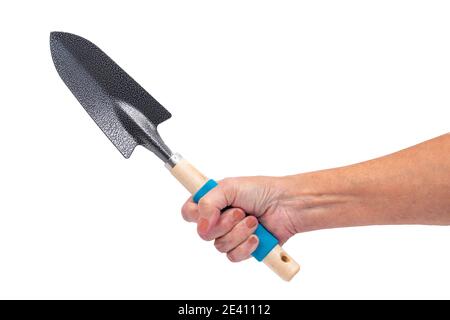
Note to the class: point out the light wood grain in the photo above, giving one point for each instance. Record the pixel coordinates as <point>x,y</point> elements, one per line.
<point>281,263</point>
<point>188,176</point>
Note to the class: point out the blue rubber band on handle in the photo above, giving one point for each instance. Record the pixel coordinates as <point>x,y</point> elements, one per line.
<point>210,184</point>
<point>266,240</point>
<point>266,243</point>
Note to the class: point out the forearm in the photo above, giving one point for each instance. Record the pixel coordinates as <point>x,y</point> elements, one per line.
<point>408,187</point>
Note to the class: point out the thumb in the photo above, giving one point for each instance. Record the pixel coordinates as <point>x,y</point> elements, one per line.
<point>211,205</point>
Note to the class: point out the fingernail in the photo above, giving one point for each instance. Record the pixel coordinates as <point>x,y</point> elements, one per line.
<point>251,222</point>
<point>202,225</point>
<point>237,214</point>
<point>253,239</point>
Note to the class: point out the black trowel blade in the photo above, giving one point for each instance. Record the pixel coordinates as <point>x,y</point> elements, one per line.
<point>123,110</point>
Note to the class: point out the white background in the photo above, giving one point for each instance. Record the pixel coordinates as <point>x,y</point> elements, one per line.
<point>280,86</point>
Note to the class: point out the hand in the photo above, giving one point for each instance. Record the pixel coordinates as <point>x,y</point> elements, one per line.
<point>230,212</point>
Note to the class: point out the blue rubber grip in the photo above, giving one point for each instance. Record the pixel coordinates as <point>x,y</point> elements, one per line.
<point>210,184</point>
<point>266,240</point>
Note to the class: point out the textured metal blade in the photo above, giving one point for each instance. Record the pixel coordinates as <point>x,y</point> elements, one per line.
<point>123,110</point>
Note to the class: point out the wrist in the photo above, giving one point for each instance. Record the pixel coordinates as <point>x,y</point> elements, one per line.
<point>324,199</point>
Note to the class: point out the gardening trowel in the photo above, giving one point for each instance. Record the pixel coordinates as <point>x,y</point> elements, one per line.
<point>129,116</point>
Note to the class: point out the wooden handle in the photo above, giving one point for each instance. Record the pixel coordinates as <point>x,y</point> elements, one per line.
<point>281,263</point>
<point>277,259</point>
<point>188,176</point>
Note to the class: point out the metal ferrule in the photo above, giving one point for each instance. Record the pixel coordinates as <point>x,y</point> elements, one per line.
<point>173,161</point>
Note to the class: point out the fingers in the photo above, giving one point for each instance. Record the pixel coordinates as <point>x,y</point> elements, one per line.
<point>232,230</point>
<point>209,209</point>
<point>244,250</point>
<point>240,233</point>
<point>189,211</point>
<point>227,221</point>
